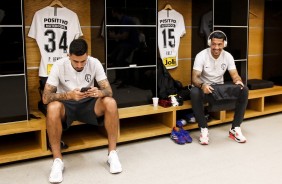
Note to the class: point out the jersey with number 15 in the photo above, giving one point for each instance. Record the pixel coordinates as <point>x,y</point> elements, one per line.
<point>170,28</point>
<point>53,29</point>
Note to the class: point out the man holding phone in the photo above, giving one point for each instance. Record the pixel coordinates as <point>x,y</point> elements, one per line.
<point>71,96</point>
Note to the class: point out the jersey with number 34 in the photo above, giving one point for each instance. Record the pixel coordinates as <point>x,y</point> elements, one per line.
<point>53,29</point>
<point>170,29</point>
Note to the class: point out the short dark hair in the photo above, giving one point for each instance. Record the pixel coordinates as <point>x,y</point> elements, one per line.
<point>218,35</point>
<point>78,47</point>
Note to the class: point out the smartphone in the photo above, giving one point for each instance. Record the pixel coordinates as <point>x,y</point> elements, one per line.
<point>84,89</point>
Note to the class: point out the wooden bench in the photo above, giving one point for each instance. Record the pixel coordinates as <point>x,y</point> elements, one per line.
<point>28,139</point>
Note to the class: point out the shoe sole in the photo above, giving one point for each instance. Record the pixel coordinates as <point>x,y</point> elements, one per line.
<point>203,143</point>
<point>180,143</point>
<point>55,182</point>
<point>187,139</point>
<point>235,139</point>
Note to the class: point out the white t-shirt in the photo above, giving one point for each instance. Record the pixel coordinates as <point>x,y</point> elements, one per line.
<point>53,29</point>
<point>66,78</point>
<point>170,28</point>
<point>213,69</point>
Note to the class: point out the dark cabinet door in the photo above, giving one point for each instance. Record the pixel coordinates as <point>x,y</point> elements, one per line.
<point>131,44</point>
<point>231,12</point>
<point>13,100</point>
<point>231,17</point>
<point>11,60</point>
<point>13,93</point>
<point>272,51</point>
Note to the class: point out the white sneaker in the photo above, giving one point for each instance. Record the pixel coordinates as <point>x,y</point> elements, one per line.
<point>113,161</point>
<point>56,175</point>
<point>204,139</point>
<point>236,134</point>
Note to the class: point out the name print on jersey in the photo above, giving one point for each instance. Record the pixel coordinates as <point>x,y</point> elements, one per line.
<point>170,28</point>
<point>53,29</point>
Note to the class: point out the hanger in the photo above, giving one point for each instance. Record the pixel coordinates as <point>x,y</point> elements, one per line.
<point>168,7</point>
<point>56,3</point>
<point>252,13</point>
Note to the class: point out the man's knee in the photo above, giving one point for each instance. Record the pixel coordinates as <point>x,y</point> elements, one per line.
<point>105,105</point>
<point>195,93</point>
<point>54,107</point>
<point>109,102</point>
<point>245,92</point>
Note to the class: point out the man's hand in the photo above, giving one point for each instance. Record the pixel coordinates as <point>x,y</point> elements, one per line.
<point>103,90</point>
<point>76,94</point>
<point>240,83</point>
<point>94,92</point>
<point>207,89</point>
<point>236,78</point>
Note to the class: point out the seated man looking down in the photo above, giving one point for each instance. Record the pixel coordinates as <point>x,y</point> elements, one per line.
<point>209,68</point>
<point>67,103</point>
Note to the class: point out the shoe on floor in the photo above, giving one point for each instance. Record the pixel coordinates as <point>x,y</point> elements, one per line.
<point>204,136</point>
<point>56,175</point>
<point>185,134</point>
<point>236,134</point>
<point>114,163</point>
<point>177,137</point>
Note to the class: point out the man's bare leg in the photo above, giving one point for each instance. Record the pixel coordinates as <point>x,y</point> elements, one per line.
<point>55,113</point>
<point>108,107</point>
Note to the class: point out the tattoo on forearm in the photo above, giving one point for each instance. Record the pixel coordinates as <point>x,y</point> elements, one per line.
<point>50,95</point>
<point>103,83</point>
<point>105,87</point>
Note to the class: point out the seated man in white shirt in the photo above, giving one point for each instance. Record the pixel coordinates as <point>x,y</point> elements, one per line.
<point>67,103</point>
<point>209,68</point>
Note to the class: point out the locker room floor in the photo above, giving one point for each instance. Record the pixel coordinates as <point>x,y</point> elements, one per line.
<point>160,160</point>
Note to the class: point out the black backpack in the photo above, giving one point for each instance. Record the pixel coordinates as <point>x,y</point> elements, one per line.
<point>166,84</point>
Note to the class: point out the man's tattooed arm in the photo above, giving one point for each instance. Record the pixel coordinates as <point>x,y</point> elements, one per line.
<point>50,95</point>
<point>105,88</point>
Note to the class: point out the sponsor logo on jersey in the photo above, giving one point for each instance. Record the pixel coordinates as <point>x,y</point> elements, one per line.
<point>55,20</point>
<point>167,23</point>
<point>49,66</point>
<point>169,62</point>
<point>55,23</point>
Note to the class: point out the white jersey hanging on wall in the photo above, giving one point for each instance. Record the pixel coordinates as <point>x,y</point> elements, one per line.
<point>53,29</point>
<point>171,28</point>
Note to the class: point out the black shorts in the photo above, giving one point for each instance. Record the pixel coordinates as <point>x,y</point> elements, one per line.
<point>82,111</point>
